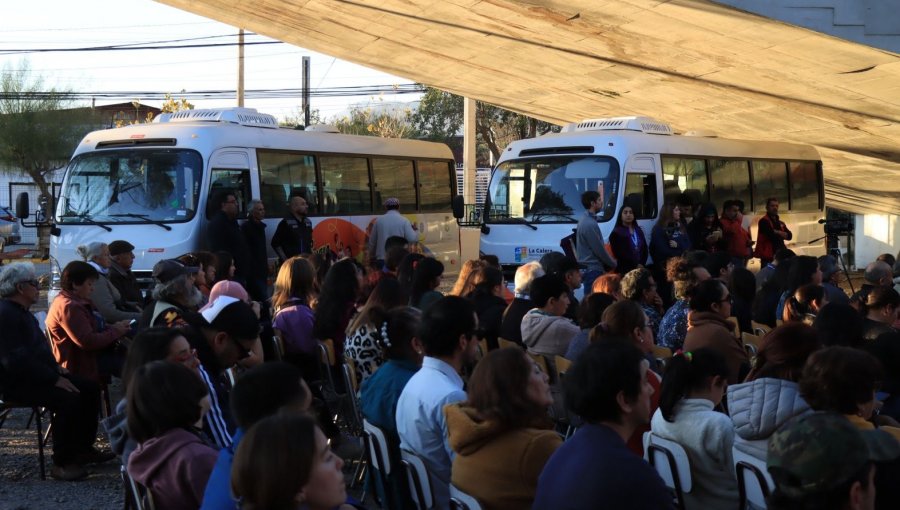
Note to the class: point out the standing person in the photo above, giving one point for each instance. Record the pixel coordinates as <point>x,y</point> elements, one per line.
<point>668,239</point>
<point>607,387</point>
<point>628,242</point>
<point>224,234</point>
<point>706,232</point>
<point>254,231</point>
<point>30,375</point>
<point>391,223</point>
<point>502,435</point>
<point>738,242</point>
<point>293,236</point>
<point>121,254</point>
<point>448,333</point>
<point>692,387</point>
<point>589,245</point>
<point>105,297</point>
<point>772,233</point>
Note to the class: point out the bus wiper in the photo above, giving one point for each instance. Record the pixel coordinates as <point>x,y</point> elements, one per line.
<point>522,221</point>
<point>143,217</point>
<point>557,214</point>
<point>86,220</point>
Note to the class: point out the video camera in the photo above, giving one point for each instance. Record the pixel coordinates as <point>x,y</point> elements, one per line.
<point>839,226</point>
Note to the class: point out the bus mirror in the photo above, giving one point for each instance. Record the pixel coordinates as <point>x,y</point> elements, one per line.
<point>458,204</point>
<point>22,206</point>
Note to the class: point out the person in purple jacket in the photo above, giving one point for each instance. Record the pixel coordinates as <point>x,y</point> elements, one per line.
<point>166,403</point>
<point>627,241</point>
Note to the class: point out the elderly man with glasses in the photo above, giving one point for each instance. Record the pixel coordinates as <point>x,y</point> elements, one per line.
<point>29,375</point>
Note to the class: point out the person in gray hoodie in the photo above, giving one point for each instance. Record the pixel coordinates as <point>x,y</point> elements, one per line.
<point>544,330</point>
<point>770,395</point>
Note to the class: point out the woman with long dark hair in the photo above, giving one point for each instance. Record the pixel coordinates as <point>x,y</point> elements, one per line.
<point>629,246</point>
<point>487,296</point>
<point>693,385</point>
<point>706,230</point>
<point>669,238</point>
<point>426,280</point>
<point>804,271</point>
<point>337,304</point>
<point>502,435</point>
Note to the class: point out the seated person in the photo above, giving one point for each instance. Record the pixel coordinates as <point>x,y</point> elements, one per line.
<point>166,403</point>
<point>502,435</point>
<point>544,329</point>
<point>607,387</point>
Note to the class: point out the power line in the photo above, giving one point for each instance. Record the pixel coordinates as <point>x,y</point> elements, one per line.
<point>134,46</point>
<point>361,90</point>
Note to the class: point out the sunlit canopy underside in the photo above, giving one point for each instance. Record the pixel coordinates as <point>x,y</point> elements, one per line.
<point>694,64</point>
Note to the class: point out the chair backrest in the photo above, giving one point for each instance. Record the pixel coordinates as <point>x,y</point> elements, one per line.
<point>278,345</point>
<point>752,343</point>
<point>483,345</point>
<point>562,366</point>
<point>503,343</point>
<point>754,482</point>
<point>326,351</point>
<point>378,448</point>
<point>760,329</point>
<point>735,327</point>
<point>140,496</point>
<point>671,463</point>
<point>350,380</point>
<point>417,480</point>
<point>541,362</point>
<point>459,500</point>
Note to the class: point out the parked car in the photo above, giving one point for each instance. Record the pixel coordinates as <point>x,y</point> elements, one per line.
<point>9,227</point>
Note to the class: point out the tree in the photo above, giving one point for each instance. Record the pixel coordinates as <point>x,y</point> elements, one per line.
<point>440,118</point>
<point>377,120</point>
<point>296,118</point>
<point>39,128</point>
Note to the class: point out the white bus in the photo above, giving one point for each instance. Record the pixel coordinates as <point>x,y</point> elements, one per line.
<point>534,196</point>
<point>149,184</point>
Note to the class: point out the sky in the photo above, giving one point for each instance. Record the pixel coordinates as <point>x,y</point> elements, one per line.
<point>57,24</point>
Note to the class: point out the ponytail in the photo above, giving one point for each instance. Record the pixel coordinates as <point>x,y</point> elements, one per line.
<point>687,372</point>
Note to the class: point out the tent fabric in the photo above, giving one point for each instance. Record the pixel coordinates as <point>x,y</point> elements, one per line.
<point>695,64</point>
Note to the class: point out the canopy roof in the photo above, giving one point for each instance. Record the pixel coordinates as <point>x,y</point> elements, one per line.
<point>692,63</point>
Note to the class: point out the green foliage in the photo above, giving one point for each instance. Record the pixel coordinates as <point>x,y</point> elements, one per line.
<point>39,128</point>
<point>377,120</point>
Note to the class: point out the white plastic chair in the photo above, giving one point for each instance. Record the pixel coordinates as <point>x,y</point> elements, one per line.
<point>459,500</point>
<point>754,482</point>
<point>671,462</point>
<point>417,479</point>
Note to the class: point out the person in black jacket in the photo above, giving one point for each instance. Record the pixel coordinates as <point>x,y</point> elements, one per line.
<point>29,375</point>
<point>511,327</point>
<point>489,305</point>
<point>293,235</point>
<point>254,231</point>
<point>224,234</point>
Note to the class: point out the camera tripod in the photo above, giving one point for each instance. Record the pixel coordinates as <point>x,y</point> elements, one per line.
<point>832,240</point>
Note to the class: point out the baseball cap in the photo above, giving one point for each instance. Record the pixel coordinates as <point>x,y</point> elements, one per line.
<point>817,452</point>
<point>232,316</point>
<point>167,270</point>
<point>392,202</point>
<point>120,247</point>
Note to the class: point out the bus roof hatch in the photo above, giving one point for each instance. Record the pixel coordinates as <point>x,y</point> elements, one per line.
<point>642,124</point>
<point>243,116</point>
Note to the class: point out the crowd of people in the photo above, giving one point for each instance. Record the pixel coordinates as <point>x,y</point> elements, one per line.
<point>225,405</point>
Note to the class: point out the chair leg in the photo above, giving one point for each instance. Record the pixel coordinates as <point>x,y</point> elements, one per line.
<point>40,440</point>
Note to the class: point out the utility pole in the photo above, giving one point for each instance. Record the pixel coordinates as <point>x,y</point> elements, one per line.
<point>305,93</point>
<point>240,84</point>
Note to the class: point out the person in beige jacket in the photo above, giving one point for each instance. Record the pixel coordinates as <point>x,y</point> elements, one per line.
<point>501,435</point>
<point>708,326</point>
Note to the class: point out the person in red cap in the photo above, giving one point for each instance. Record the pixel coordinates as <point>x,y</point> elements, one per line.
<point>390,224</point>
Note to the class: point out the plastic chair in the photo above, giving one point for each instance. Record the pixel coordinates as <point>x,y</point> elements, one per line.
<point>671,462</point>
<point>562,367</point>
<point>752,343</point>
<point>504,343</point>
<point>735,327</point>
<point>459,500</point>
<point>417,480</point>
<point>278,346</point>
<point>760,329</point>
<point>379,458</point>
<point>326,362</point>
<point>37,414</point>
<point>138,496</point>
<point>754,482</point>
<point>541,362</point>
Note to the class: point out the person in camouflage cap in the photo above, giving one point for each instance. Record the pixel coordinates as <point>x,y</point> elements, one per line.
<point>821,461</point>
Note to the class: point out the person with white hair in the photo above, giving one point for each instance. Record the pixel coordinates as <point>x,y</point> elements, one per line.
<point>29,375</point>
<point>511,327</point>
<point>105,296</point>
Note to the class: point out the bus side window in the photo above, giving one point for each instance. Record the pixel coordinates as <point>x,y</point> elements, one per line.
<point>284,174</point>
<point>640,195</point>
<point>769,181</point>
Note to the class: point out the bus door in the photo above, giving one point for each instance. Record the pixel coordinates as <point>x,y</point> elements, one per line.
<point>229,169</point>
<point>641,192</point>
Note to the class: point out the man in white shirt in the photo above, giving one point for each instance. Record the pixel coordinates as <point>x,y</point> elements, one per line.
<point>390,224</point>
<point>448,332</point>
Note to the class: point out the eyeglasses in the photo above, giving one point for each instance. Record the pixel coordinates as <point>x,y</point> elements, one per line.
<point>727,298</point>
<point>185,355</point>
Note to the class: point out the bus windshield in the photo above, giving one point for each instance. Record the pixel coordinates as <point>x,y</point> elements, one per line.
<point>548,190</point>
<point>131,186</point>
